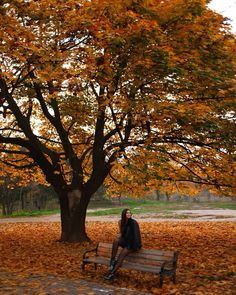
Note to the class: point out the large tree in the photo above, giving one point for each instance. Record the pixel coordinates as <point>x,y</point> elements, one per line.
<point>91,88</point>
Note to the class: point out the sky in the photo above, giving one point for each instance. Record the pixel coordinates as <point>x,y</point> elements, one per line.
<point>226,8</point>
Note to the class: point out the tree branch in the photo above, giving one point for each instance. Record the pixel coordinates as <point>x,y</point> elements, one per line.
<point>14,152</point>
<point>112,177</point>
<point>27,166</point>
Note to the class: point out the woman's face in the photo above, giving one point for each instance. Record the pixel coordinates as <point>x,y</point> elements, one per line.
<point>128,214</point>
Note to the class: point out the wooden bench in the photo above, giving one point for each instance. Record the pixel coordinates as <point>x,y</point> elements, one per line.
<point>160,262</point>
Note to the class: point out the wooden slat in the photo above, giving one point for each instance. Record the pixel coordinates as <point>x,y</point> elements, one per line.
<point>144,261</point>
<point>146,253</point>
<point>156,252</point>
<point>143,251</point>
<point>150,257</point>
<point>137,256</point>
<point>102,250</point>
<point>143,257</point>
<point>141,267</point>
<point>102,253</point>
<point>100,260</point>
<point>126,265</point>
<point>138,259</point>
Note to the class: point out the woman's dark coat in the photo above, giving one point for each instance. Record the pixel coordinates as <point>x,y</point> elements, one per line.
<point>130,234</point>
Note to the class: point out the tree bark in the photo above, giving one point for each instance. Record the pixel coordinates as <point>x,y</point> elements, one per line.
<point>73,206</point>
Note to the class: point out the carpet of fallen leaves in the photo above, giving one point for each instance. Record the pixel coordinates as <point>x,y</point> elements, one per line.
<point>206,265</point>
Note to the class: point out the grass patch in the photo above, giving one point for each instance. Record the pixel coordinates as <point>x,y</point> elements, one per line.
<point>180,205</point>
<point>151,205</point>
<point>145,206</point>
<point>32,213</point>
<point>105,203</point>
<point>163,205</point>
<point>231,206</point>
<point>132,202</point>
<point>136,208</point>
<point>111,211</point>
<point>117,211</point>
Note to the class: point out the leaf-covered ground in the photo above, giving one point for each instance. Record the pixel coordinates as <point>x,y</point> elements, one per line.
<point>207,261</point>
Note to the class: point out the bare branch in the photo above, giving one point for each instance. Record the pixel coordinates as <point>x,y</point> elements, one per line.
<point>112,177</point>
<point>11,129</point>
<point>85,153</point>
<point>94,90</point>
<point>27,166</point>
<point>116,124</point>
<point>14,152</point>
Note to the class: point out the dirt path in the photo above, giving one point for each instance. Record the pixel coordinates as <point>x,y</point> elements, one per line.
<point>178,215</point>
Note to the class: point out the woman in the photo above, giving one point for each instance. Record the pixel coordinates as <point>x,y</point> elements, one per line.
<point>129,240</point>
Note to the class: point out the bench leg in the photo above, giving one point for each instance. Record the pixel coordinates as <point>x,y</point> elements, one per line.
<point>174,277</point>
<point>83,266</point>
<point>95,266</point>
<point>161,280</point>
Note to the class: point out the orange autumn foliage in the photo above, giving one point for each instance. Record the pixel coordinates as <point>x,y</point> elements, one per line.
<point>167,92</point>
<point>207,254</point>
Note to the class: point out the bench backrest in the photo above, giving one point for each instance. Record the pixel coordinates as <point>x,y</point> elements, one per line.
<point>150,257</point>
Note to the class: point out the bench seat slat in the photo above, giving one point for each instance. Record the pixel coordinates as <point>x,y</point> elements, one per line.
<point>141,267</point>
<point>128,260</point>
<point>126,264</point>
<point>139,255</point>
<point>151,263</point>
<point>141,260</point>
<point>104,254</point>
<point>106,247</point>
<point>100,260</point>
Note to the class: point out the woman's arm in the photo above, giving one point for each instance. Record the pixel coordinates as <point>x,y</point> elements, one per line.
<point>119,226</point>
<point>137,243</point>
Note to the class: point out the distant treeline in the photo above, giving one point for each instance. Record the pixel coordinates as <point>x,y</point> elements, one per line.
<point>39,197</point>
<point>30,198</point>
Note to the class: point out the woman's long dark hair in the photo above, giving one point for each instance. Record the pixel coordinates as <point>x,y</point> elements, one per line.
<point>123,219</point>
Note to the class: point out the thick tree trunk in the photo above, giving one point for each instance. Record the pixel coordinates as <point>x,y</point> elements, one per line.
<point>73,214</point>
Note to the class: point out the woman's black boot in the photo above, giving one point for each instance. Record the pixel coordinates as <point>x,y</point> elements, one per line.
<point>112,264</point>
<point>109,276</point>
<point>111,267</point>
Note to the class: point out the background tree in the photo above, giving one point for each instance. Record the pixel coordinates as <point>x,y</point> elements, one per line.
<point>90,87</point>
<point>12,183</point>
<point>7,200</point>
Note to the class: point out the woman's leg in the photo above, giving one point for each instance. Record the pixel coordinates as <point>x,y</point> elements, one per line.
<point>124,252</point>
<point>115,247</point>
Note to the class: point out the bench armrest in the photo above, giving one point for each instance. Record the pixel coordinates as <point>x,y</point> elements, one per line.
<point>169,263</point>
<point>163,266</point>
<point>175,258</point>
<point>88,251</point>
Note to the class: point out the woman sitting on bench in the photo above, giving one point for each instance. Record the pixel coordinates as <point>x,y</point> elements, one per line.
<point>129,240</point>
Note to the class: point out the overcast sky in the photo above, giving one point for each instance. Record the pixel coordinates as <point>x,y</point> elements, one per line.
<point>226,8</point>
